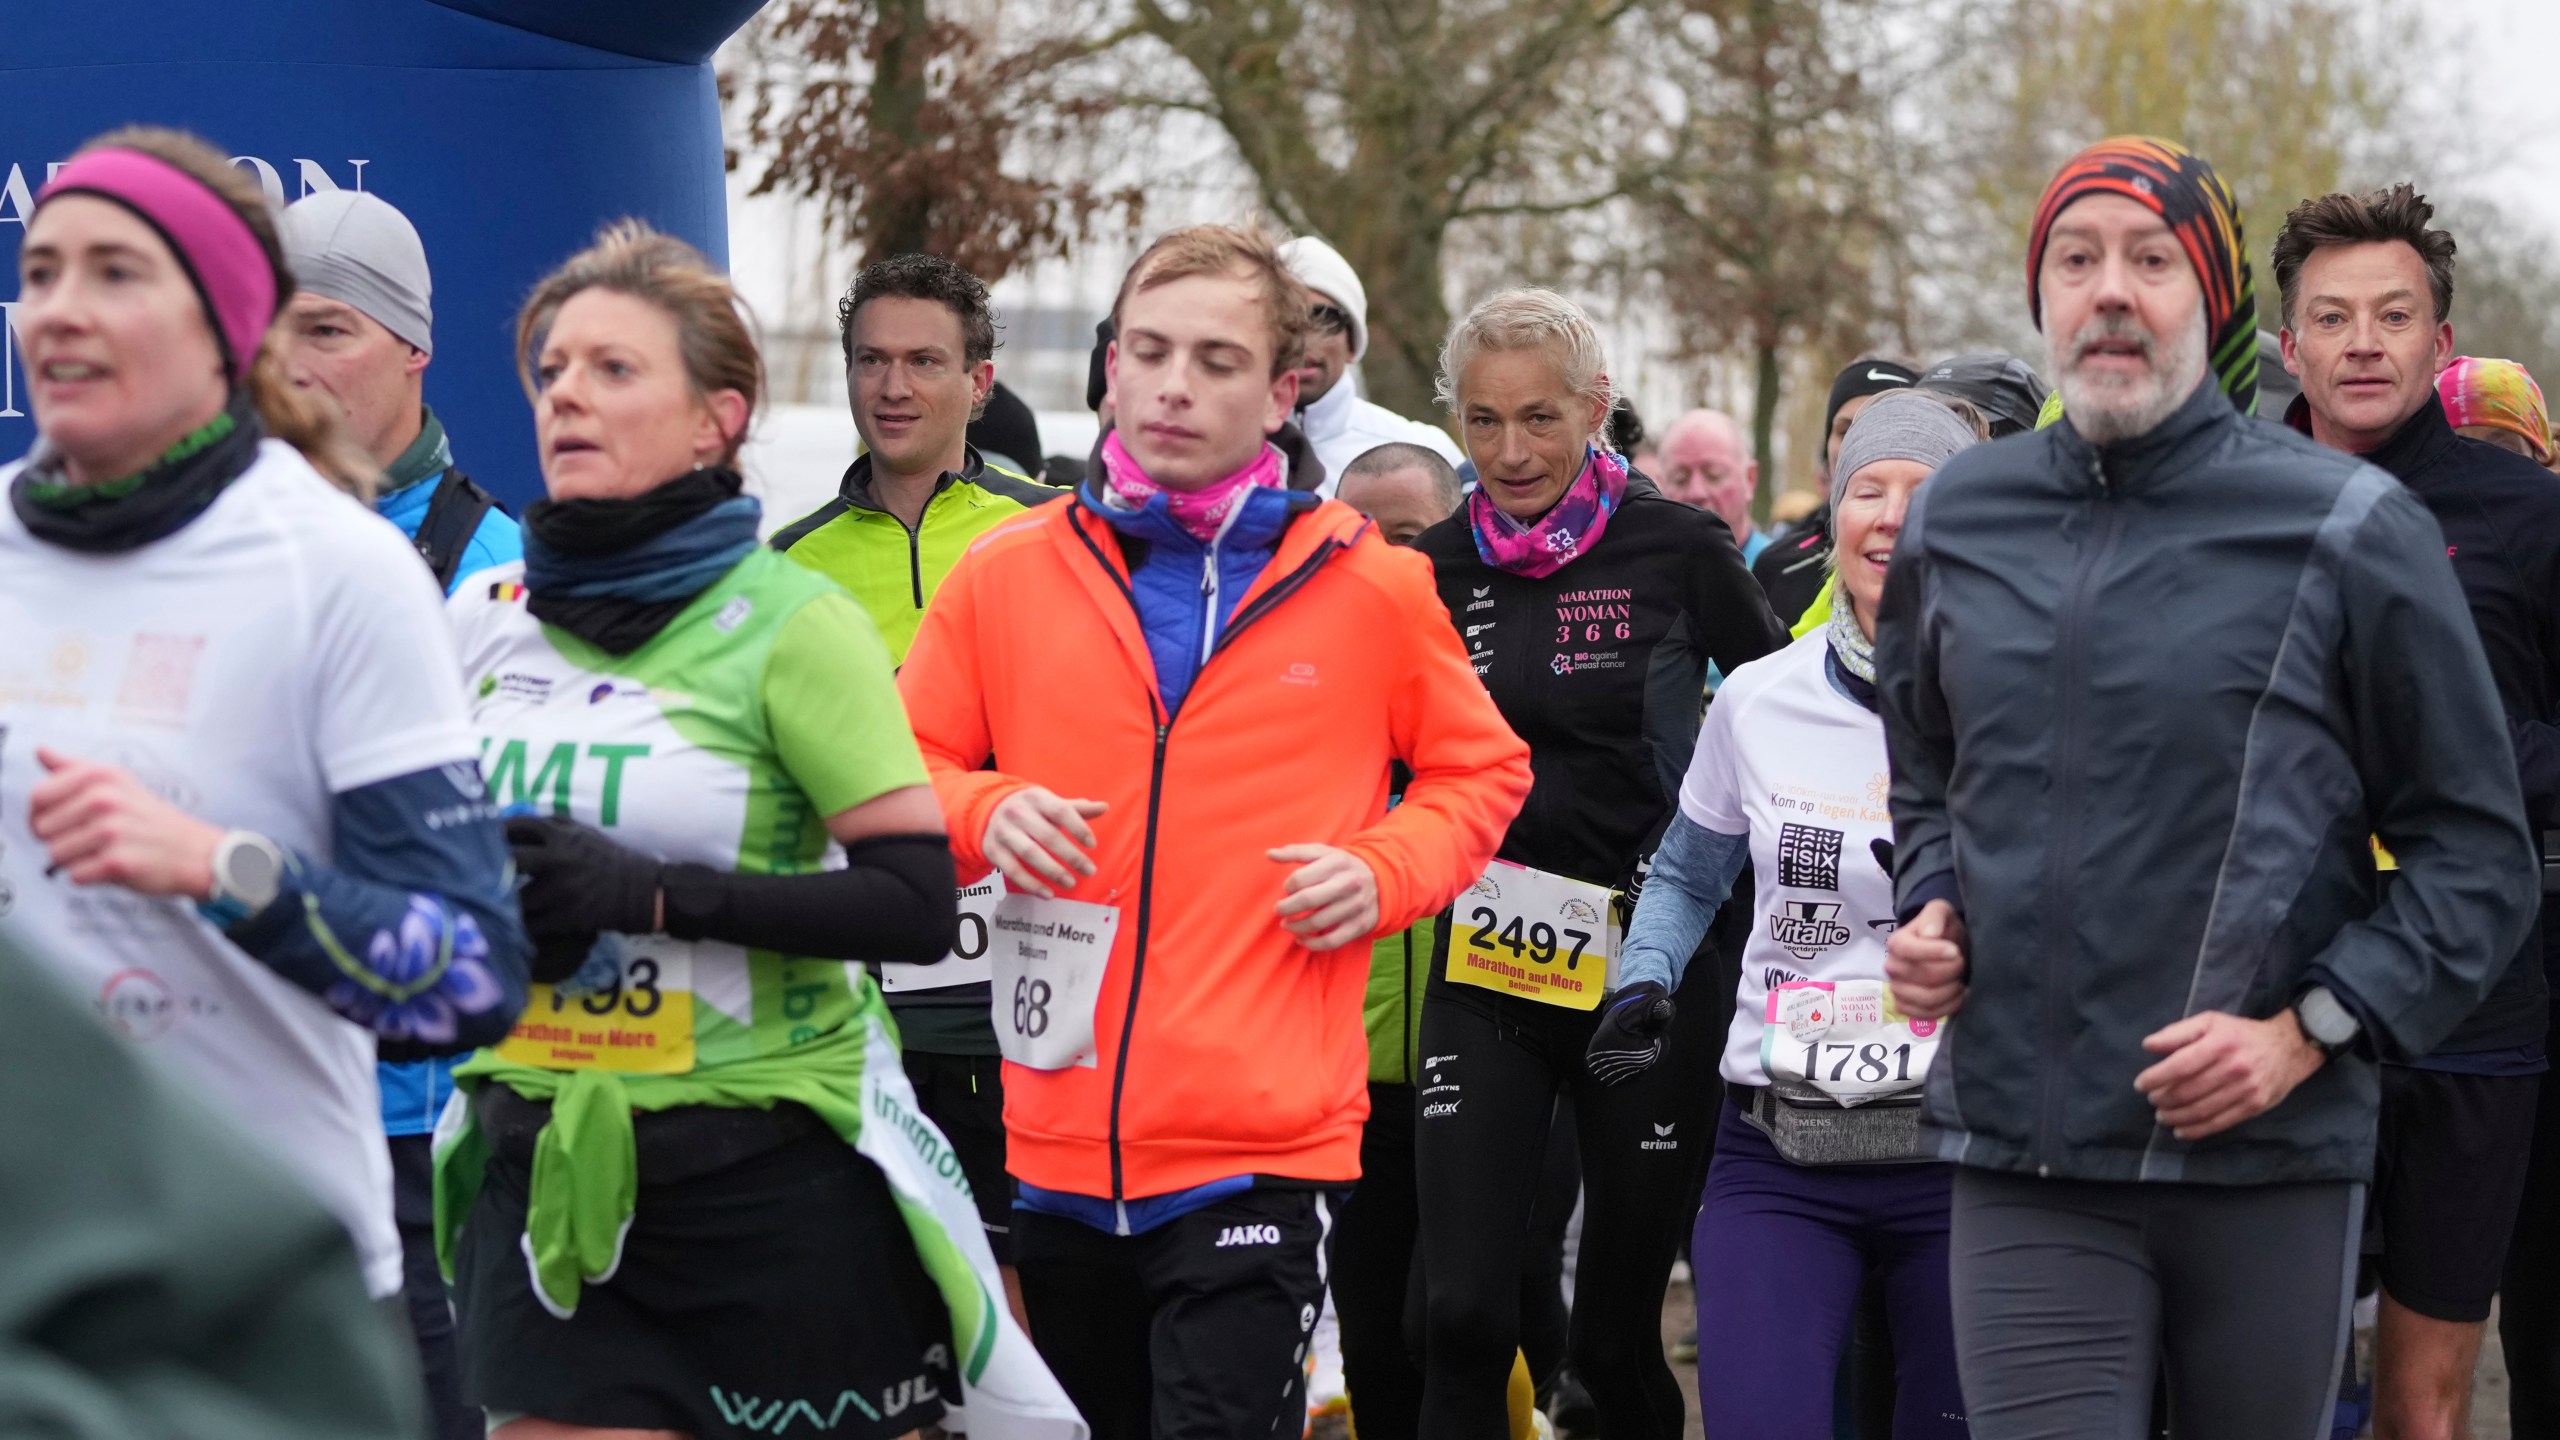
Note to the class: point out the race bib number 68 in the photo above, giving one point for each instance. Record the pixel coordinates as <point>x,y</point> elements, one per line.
<point>1047,959</point>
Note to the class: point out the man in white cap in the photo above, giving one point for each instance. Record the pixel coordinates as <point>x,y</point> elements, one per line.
<point>359,330</point>
<point>1336,421</point>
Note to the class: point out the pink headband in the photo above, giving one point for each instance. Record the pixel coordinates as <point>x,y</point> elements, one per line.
<point>233,275</point>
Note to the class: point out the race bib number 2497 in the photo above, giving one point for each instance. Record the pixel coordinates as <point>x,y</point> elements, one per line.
<point>1542,937</point>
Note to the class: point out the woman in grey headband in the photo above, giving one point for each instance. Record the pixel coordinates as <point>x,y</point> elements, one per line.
<point>1898,442</point>
<point>1818,1172</point>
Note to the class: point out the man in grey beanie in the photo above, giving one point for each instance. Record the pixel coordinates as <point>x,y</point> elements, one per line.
<point>360,331</point>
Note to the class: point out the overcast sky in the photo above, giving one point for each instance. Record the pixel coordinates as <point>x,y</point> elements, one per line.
<point>2510,53</point>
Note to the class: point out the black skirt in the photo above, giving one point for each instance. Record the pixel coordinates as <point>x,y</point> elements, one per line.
<point>767,1286</point>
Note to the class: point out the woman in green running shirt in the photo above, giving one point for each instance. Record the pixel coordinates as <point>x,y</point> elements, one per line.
<point>691,1193</point>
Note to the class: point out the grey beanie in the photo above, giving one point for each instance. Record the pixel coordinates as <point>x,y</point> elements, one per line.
<point>1899,425</point>
<point>355,248</point>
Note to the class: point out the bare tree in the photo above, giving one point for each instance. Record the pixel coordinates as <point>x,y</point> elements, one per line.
<point>915,133</point>
<point>1770,198</point>
<point>1383,125</point>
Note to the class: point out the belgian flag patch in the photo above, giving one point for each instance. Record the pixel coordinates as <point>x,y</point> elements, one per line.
<point>505,590</point>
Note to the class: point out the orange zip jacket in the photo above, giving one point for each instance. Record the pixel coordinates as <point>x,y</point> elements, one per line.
<point>1225,1047</point>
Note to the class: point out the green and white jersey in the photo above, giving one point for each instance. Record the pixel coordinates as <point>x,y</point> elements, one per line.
<point>764,707</point>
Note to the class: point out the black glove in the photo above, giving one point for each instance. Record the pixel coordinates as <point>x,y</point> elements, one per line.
<point>1629,1039</point>
<point>576,884</point>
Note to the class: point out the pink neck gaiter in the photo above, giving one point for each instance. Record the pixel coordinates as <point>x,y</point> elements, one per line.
<point>1199,512</point>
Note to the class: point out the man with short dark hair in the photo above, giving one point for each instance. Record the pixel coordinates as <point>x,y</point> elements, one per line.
<point>1404,489</point>
<point>2367,291</point>
<point>919,342</point>
<point>2151,677</point>
<point>919,337</point>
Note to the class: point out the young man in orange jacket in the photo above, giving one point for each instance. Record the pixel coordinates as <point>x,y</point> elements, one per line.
<point>1194,681</point>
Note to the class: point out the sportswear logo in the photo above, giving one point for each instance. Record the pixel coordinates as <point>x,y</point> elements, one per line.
<point>1248,1235</point>
<point>1886,377</point>
<point>1440,1107</point>
<point>1482,600</point>
<point>1659,1143</point>
<point>1480,591</point>
<point>733,614</point>
<point>1808,857</point>
<point>1300,673</point>
<point>1806,928</point>
<point>1666,1129</point>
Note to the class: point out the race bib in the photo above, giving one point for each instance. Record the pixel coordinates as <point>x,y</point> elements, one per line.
<point>641,1024</point>
<point>1046,959</point>
<point>967,962</point>
<point>1542,937</point>
<point>1846,1039</point>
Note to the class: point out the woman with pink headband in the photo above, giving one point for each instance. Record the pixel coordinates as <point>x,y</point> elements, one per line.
<point>239,809</point>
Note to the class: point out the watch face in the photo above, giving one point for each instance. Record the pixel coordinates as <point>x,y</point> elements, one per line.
<point>252,872</point>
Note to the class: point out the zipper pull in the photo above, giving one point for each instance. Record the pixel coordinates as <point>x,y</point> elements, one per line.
<point>2098,472</point>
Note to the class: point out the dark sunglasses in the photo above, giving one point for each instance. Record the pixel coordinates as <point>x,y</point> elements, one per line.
<point>1331,319</point>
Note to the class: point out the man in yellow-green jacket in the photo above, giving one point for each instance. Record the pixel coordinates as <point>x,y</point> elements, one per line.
<point>919,344</point>
<point>919,360</point>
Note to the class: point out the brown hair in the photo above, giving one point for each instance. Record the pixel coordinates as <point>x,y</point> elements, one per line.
<point>304,421</point>
<point>2399,213</point>
<point>713,332</point>
<point>1235,253</point>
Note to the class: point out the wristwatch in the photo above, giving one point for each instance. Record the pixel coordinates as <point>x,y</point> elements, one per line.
<point>248,874</point>
<point>2325,1022</point>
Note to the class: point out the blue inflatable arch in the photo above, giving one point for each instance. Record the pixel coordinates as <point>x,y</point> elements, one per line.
<point>508,130</point>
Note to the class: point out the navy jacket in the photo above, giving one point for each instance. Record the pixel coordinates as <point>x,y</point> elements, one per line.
<point>2500,513</point>
<point>2146,703</point>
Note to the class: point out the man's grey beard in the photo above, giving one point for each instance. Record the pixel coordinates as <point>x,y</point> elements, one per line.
<point>2106,409</point>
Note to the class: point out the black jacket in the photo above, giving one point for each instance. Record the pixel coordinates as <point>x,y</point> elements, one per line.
<point>1792,568</point>
<point>2500,514</point>
<point>1602,668</point>
<point>2145,705</point>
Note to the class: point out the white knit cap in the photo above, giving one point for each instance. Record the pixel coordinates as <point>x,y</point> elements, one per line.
<point>355,248</point>
<point>1321,268</point>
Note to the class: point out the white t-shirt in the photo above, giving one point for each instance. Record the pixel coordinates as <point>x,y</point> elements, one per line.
<point>1789,760</point>
<point>285,646</point>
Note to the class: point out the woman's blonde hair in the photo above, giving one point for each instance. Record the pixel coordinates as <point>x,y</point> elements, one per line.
<point>715,334</point>
<point>299,418</point>
<point>1531,319</point>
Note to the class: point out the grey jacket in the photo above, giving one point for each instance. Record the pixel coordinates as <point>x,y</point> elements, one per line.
<point>2145,706</point>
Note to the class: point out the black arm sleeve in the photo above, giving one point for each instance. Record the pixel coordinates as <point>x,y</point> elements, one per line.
<point>896,900</point>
